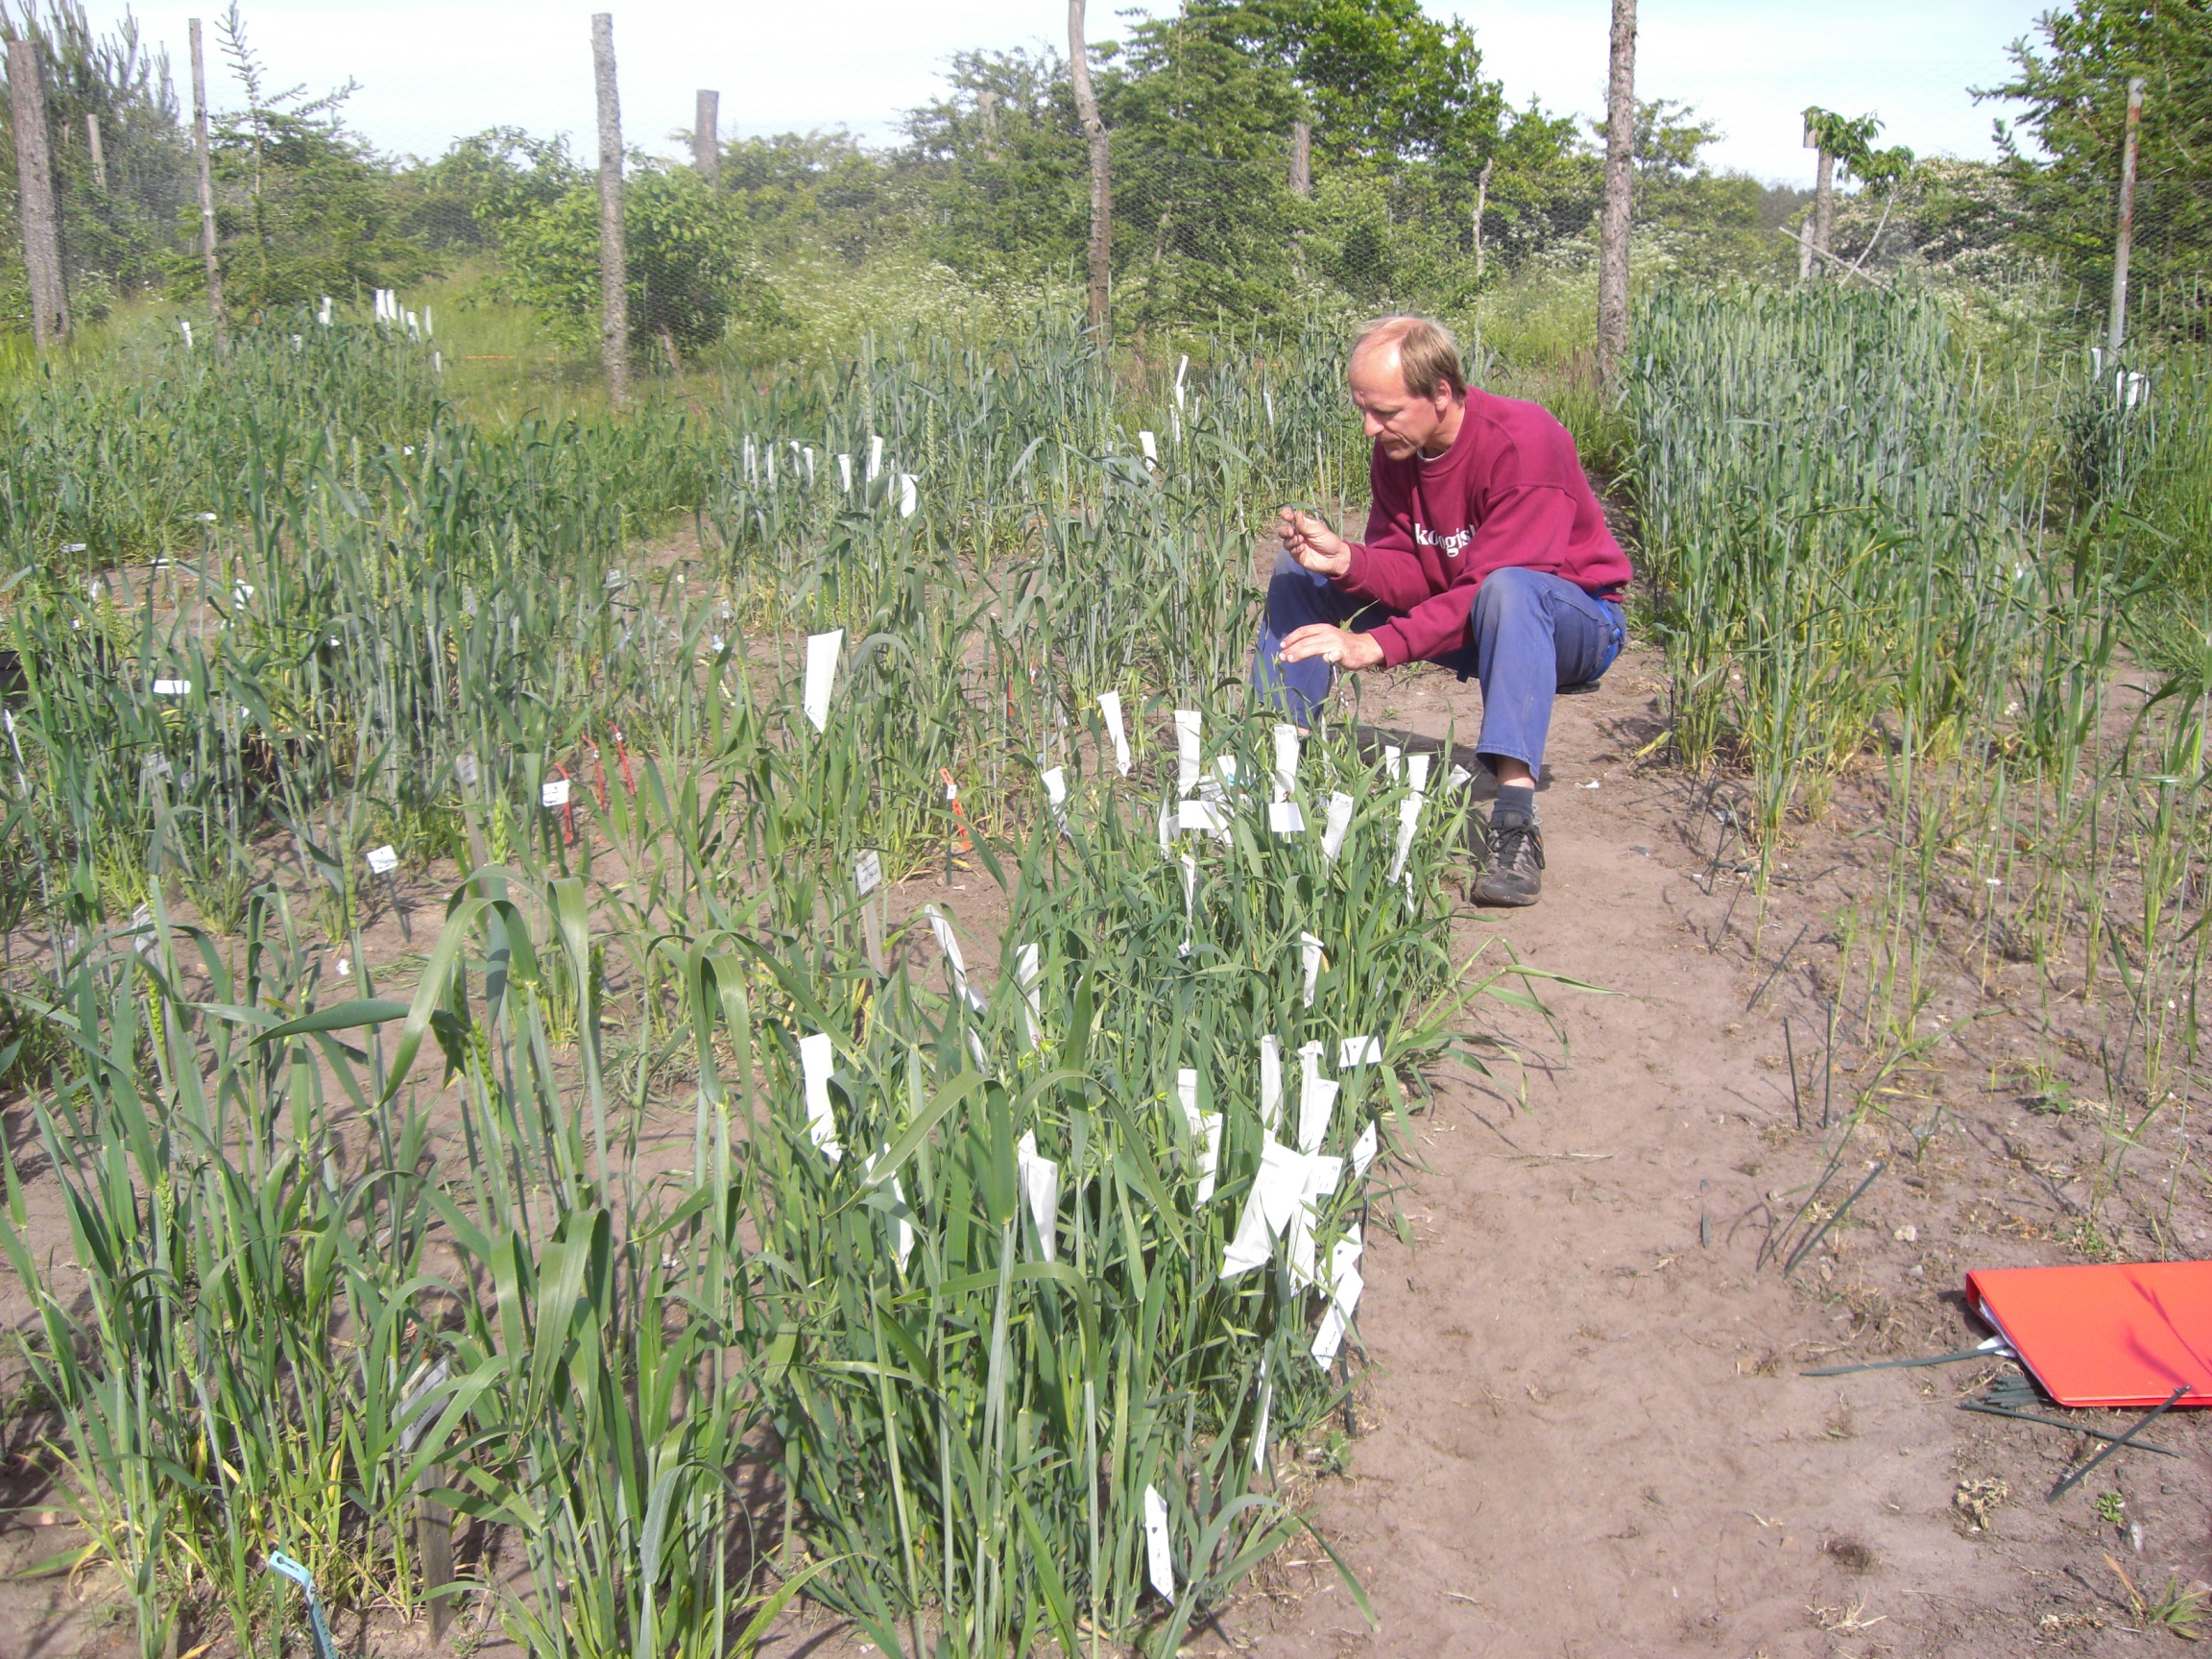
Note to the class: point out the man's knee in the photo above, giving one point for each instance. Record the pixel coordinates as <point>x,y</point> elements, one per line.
<point>1295,595</point>
<point>1507,595</point>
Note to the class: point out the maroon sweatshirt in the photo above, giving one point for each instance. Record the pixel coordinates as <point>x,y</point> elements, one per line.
<point>1510,491</point>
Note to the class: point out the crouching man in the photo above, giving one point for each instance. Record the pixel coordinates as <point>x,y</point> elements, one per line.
<point>1486,551</point>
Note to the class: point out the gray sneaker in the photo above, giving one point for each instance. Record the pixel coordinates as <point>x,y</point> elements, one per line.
<point>1513,871</point>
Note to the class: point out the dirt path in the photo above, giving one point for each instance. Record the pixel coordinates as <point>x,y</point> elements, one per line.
<point>1585,1431</point>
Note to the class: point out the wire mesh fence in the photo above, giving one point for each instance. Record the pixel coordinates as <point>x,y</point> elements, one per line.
<point>747,254</point>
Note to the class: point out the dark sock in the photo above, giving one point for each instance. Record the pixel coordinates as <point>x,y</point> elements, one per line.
<point>1518,798</point>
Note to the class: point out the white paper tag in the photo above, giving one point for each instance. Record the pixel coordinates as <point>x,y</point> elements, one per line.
<point>1039,1179</point>
<point>1168,828</point>
<point>1110,710</point>
<point>875,457</point>
<point>1314,1111</point>
<point>1285,758</point>
<point>1189,727</point>
<point>1150,444</point>
<point>464,769</point>
<point>382,861</point>
<point>1252,1244</point>
<point>1359,1051</point>
<point>1270,1081</point>
<point>1025,976</point>
<point>1280,1184</point>
<point>949,943</point>
<point>1458,777</point>
<point>1417,773</point>
<point>1363,1150</point>
<point>821,675</point>
<point>1266,1385</point>
<point>1056,794</point>
<point>1199,817</point>
<point>1285,818</point>
<point>1205,1131</point>
<point>172,687</point>
<point>554,793</point>
<point>1408,816</point>
<point>1334,827</point>
<point>815,1057</point>
<point>1310,956</point>
<point>909,497</point>
<point>845,473</point>
<point>1391,754</point>
<point>1159,1560</point>
<point>867,872</point>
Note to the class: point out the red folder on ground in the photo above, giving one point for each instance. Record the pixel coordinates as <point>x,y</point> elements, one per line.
<point>2125,1335</point>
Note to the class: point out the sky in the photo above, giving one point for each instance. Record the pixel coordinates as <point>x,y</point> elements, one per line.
<point>430,72</point>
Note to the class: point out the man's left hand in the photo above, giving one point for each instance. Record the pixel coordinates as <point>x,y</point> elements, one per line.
<point>1339,647</point>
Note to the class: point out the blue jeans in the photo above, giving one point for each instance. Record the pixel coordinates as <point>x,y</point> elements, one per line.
<point>1533,633</point>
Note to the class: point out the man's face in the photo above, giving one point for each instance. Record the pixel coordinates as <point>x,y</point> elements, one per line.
<point>1394,416</point>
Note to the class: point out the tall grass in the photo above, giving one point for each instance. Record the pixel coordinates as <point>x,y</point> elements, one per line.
<point>344,1257</point>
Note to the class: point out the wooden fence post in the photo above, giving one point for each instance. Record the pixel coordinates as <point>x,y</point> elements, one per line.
<point>1301,159</point>
<point>35,177</point>
<point>2124,242</point>
<point>706,138</point>
<point>99,157</point>
<point>1613,218</point>
<point>613,254</point>
<point>1102,248</point>
<point>207,189</point>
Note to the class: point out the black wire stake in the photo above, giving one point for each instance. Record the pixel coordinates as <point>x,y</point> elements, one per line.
<point>1798,1255</point>
<point>1780,962</point>
<point>2128,1438</point>
<point>1796,1100</point>
<point>1951,1358</point>
<point>1982,1403</point>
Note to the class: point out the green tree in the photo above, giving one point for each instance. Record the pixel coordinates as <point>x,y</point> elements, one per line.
<point>690,272</point>
<point>2071,78</point>
<point>115,238</point>
<point>304,206</point>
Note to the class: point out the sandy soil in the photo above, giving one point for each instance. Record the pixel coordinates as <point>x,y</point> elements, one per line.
<point>1582,1429</point>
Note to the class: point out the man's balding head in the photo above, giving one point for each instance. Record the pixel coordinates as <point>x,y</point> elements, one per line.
<point>1423,354</point>
<point>1408,383</point>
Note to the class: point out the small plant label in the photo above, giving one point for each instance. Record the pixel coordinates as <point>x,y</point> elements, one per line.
<point>1039,1179</point>
<point>1201,817</point>
<point>868,879</point>
<point>1359,1051</point>
<point>1159,1557</point>
<point>1168,825</point>
<point>845,473</point>
<point>1190,730</point>
<point>382,861</point>
<point>1315,1107</point>
<point>1392,754</point>
<point>909,496</point>
<point>822,651</point>
<point>1025,971</point>
<point>1252,1243</point>
<point>465,770</point>
<point>1109,709</point>
<point>554,794</point>
<point>1408,817</point>
<point>875,457</point>
<point>1205,1132</point>
<point>1334,826</point>
<point>172,687</point>
<point>1458,778</point>
<point>815,1057</point>
<point>1266,1384</point>
<point>1285,818</point>
<point>1286,760</point>
<point>1311,959</point>
<point>1363,1150</point>
<point>1270,1081</point>
<point>1150,444</point>
<point>1055,781</point>
<point>1417,773</point>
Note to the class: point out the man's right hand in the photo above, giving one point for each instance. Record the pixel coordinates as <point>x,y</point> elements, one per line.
<point>1312,543</point>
